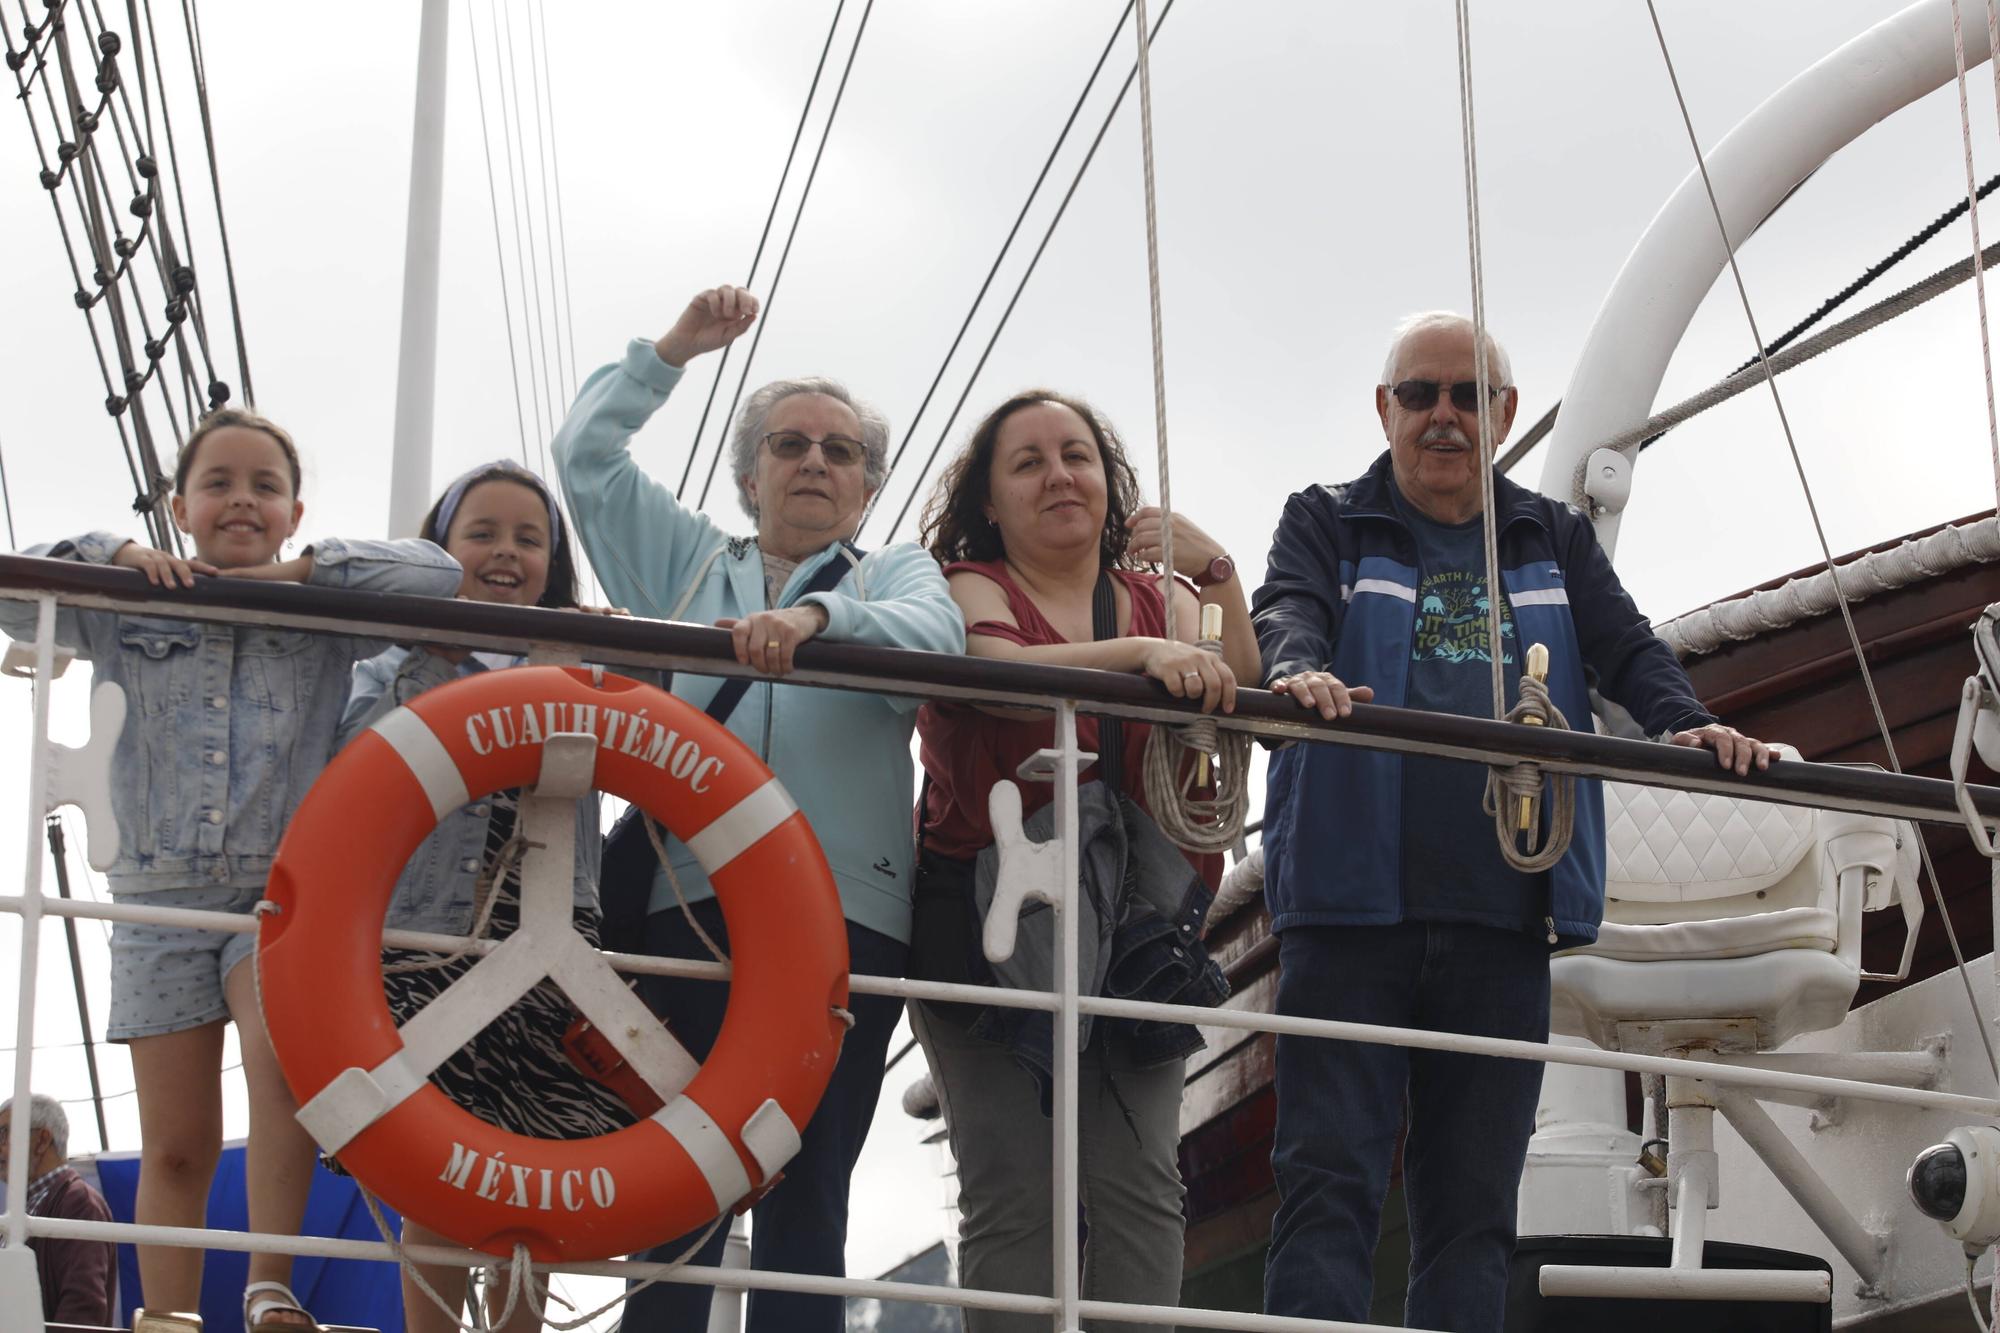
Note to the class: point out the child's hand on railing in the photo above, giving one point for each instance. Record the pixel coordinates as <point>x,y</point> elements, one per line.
<point>161,569</point>
<point>296,570</point>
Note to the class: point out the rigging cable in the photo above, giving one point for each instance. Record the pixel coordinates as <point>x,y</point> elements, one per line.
<point>1892,307</point>
<point>7,498</point>
<point>528,186</point>
<point>191,12</point>
<point>15,61</point>
<point>1819,530</point>
<point>555,238</point>
<point>1515,793</point>
<point>812,90</point>
<point>562,229</point>
<point>778,275</point>
<point>85,185</point>
<point>499,247</point>
<point>542,426</point>
<point>179,188</point>
<point>1172,774</point>
<point>538,360</point>
<point>992,272</point>
<point>1978,260</point>
<point>1000,326</point>
<point>1535,433</point>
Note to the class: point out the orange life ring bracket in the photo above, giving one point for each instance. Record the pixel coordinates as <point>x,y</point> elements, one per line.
<point>727,1126</point>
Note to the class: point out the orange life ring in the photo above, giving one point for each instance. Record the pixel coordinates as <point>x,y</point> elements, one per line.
<point>366,1095</point>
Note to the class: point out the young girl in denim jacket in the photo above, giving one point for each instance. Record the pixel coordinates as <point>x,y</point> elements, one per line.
<point>501,523</point>
<point>227,726</point>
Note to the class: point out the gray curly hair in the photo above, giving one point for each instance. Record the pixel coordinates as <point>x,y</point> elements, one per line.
<point>748,432</point>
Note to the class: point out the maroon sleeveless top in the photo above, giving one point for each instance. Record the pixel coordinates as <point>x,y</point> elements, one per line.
<point>965,751</point>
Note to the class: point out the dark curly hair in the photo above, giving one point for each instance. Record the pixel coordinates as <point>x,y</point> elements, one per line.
<point>955,526</point>
<point>560,594</point>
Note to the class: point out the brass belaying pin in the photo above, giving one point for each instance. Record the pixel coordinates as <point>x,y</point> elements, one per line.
<point>1537,666</point>
<point>1211,641</point>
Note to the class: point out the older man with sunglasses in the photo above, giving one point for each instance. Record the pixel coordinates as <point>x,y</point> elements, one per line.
<point>805,457</point>
<point>1385,883</point>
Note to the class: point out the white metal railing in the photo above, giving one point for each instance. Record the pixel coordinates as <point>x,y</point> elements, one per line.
<point>1065,1306</point>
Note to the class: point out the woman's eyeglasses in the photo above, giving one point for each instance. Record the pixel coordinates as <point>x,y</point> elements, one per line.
<point>1422,395</point>
<point>837,449</point>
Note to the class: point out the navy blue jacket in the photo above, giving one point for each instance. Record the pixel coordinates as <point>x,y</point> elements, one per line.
<point>1340,596</point>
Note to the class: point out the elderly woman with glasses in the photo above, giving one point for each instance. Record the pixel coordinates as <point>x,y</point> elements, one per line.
<point>806,457</point>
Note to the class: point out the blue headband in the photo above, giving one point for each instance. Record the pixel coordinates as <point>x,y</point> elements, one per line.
<point>499,470</point>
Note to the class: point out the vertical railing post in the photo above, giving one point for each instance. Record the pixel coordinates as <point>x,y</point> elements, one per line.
<point>31,927</point>
<point>1066,1268</point>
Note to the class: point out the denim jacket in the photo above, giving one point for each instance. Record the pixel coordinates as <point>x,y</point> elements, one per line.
<point>226,725</point>
<point>1141,908</point>
<point>435,891</point>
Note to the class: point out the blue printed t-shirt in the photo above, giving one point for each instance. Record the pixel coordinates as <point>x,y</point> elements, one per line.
<point>1452,868</point>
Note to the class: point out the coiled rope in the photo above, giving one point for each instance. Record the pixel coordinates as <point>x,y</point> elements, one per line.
<point>1514,792</point>
<point>1194,822</point>
<point>1174,781</point>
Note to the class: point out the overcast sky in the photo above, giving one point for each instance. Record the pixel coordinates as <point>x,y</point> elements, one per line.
<point>1310,193</point>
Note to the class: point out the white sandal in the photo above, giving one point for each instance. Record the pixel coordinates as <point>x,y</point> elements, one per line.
<point>276,1298</point>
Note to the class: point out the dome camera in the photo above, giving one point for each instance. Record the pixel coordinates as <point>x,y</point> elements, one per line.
<point>1957,1184</point>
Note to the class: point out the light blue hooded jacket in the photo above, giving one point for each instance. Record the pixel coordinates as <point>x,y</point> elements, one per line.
<point>843,756</point>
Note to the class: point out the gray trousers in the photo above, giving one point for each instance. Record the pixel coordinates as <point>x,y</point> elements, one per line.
<point>1129,1178</point>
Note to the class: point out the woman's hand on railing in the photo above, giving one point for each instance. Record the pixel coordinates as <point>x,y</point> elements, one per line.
<point>714,318</point>
<point>161,569</point>
<point>766,640</point>
<point>1189,672</point>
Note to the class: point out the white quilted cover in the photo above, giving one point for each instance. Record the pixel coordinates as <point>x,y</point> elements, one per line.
<point>1677,846</point>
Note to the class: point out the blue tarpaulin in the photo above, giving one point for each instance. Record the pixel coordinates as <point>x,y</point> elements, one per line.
<point>337,1291</point>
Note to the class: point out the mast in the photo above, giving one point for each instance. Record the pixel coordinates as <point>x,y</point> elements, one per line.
<point>416,361</point>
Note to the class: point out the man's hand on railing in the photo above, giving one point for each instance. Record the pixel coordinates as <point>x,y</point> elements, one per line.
<point>1325,691</point>
<point>1733,750</point>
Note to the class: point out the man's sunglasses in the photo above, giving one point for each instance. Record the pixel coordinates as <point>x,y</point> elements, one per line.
<point>1422,395</point>
<point>836,449</point>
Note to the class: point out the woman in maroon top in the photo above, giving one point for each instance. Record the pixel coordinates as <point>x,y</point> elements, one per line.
<point>1040,507</point>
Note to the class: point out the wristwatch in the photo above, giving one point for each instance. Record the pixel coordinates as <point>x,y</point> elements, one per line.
<point>1220,570</point>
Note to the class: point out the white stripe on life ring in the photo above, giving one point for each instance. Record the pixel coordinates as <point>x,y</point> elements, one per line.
<point>739,828</point>
<point>695,1130</point>
<point>429,762</point>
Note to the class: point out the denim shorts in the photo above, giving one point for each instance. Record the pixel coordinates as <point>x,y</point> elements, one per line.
<point>169,978</point>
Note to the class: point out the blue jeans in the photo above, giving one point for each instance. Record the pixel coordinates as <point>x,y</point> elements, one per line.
<point>1340,1105</point>
<point>801,1225</point>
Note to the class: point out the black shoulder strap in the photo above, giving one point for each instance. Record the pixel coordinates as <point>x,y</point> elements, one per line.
<point>1110,731</point>
<point>825,579</point>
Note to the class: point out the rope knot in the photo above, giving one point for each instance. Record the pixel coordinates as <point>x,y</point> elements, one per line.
<point>1515,792</point>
